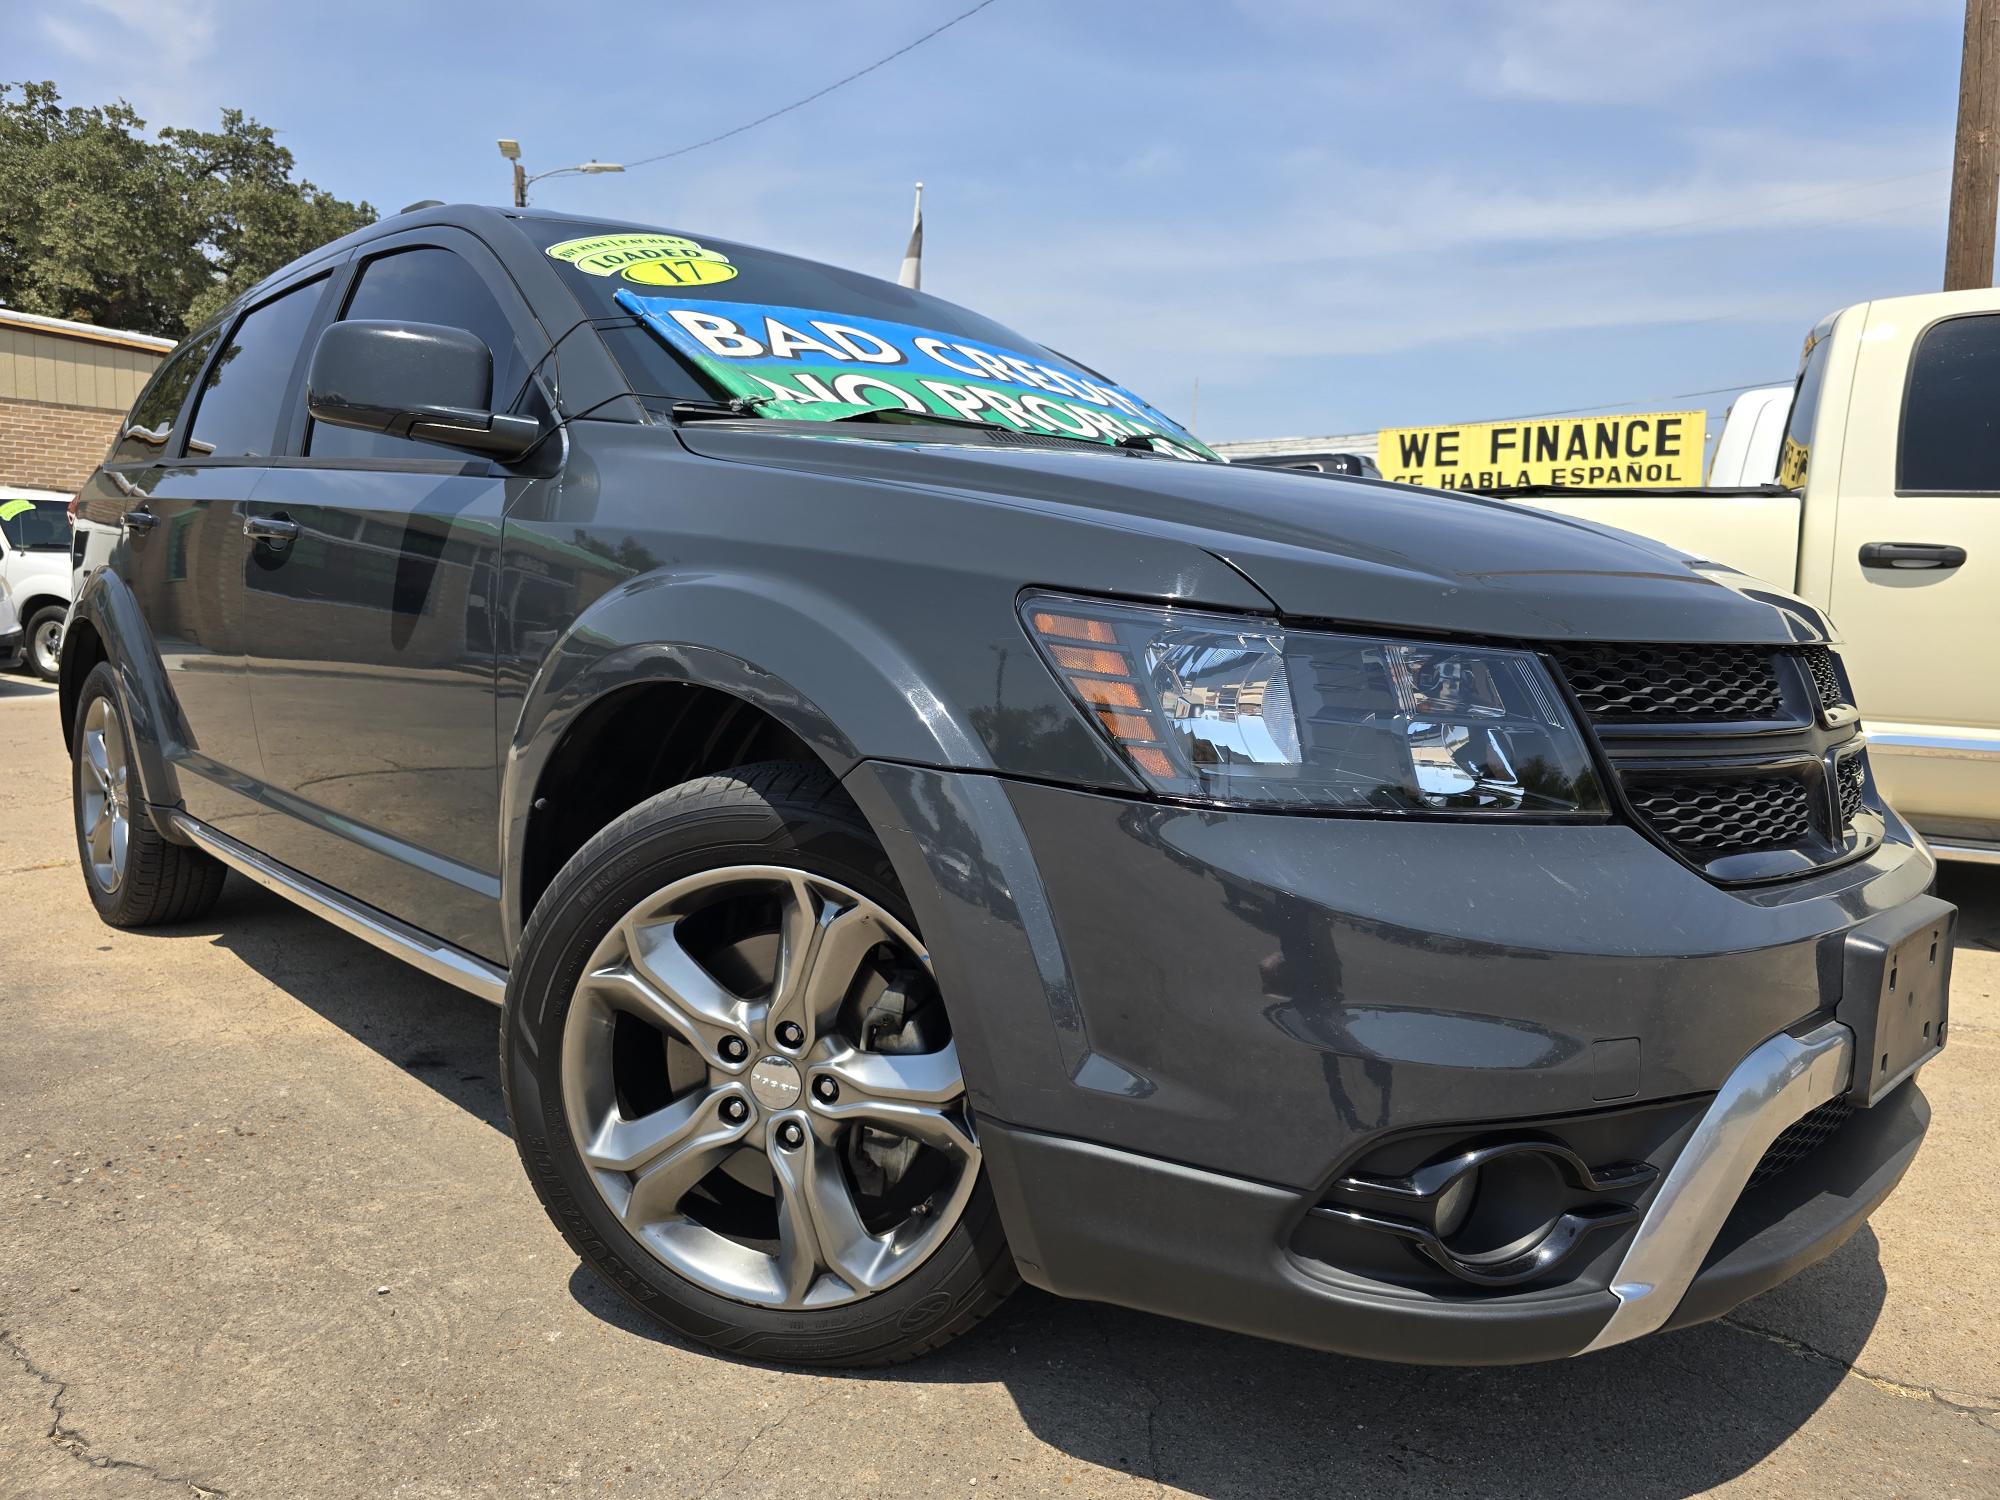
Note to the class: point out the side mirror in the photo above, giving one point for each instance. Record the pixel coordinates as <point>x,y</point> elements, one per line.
<point>416,380</point>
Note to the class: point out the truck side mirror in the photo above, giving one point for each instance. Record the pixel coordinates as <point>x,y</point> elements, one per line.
<point>415,380</point>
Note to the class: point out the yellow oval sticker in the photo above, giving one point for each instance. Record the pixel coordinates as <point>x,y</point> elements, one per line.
<point>650,259</point>
<point>679,272</point>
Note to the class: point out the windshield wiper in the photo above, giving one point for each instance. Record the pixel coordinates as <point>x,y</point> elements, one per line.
<point>715,411</point>
<point>898,415</point>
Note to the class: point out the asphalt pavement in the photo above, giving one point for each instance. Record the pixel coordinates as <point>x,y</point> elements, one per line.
<point>262,1233</point>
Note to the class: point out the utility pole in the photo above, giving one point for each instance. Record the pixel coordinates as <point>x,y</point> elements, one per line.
<point>520,186</point>
<point>1975,167</point>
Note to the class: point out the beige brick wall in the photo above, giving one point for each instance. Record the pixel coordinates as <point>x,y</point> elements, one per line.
<point>48,446</point>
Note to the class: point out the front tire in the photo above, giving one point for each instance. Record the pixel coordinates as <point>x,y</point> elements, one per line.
<point>733,1085</point>
<point>135,877</point>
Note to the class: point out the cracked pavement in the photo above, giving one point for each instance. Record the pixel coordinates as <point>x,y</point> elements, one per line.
<point>265,1235</point>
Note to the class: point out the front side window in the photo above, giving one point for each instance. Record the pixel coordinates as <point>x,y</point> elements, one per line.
<point>1950,442</point>
<point>424,285</point>
<point>35,525</point>
<point>241,401</point>
<point>785,338</point>
<point>150,426</point>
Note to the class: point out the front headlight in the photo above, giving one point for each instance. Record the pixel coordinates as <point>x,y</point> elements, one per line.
<point>1233,709</point>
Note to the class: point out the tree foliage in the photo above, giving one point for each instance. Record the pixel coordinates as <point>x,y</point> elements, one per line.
<point>101,224</point>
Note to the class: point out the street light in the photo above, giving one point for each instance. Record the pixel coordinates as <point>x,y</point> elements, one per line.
<point>511,150</point>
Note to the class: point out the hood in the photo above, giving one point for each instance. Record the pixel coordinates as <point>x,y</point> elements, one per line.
<point>1340,551</point>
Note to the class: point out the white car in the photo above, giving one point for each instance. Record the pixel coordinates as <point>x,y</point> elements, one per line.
<point>1753,439</point>
<point>35,575</point>
<point>10,624</point>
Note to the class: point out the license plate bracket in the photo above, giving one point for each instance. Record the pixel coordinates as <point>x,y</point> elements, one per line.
<point>1895,993</point>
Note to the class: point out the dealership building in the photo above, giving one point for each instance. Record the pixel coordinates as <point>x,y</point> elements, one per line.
<point>63,389</point>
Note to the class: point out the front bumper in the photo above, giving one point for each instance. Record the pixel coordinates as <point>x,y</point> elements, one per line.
<point>1185,1031</point>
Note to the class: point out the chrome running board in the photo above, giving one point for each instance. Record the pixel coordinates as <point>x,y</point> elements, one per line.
<point>420,950</point>
<point>1770,1089</point>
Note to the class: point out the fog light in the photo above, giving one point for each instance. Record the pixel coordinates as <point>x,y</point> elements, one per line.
<point>1454,1204</point>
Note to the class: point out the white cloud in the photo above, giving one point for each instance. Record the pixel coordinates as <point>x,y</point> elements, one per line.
<point>1651,51</point>
<point>151,50</point>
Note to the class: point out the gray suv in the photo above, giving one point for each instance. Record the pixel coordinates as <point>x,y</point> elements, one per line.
<point>929,823</point>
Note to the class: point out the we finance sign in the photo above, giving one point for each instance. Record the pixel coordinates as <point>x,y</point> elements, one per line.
<point>1646,449</point>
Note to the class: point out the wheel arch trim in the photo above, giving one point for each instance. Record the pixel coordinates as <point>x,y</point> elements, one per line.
<point>803,658</point>
<point>152,720</point>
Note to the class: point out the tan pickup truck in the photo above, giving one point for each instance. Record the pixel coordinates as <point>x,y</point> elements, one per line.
<point>1886,515</point>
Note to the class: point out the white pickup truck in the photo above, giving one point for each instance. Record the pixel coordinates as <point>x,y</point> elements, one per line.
<point>1886,514</point>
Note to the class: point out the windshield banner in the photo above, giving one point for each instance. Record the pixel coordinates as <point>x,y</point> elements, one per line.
<point>793,362</point>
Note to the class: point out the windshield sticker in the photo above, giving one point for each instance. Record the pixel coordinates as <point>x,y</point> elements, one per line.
<point>796,363</point>
<point>649,259</point>
<point>12,508</point>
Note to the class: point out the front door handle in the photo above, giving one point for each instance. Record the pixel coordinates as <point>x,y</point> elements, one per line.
<point>1911,555</point>
<point>270,528</point>
<point>139,522</point>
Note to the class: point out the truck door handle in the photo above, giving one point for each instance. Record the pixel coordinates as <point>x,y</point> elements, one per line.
<point>270,528</point>
<point>140,521</point>
<point>1910,555</point>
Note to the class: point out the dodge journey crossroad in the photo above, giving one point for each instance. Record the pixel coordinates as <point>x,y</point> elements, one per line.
<point>930,823</point>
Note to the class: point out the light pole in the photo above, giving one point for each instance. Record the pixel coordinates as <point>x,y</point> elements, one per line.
<point>511,149</point>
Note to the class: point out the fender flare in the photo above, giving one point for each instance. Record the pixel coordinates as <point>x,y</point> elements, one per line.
<point>828,674</point>
<point>152,718</point>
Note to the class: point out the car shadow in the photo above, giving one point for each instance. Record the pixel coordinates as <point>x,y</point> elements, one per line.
<point>12,686</point>
<point>1218,1414</point>
<point>446,1039</point>
<point>1235,1418</point>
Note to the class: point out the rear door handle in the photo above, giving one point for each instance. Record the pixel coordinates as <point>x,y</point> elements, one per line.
<point>139,522</point>
<point>270,528</point>
<point>1910,555</point>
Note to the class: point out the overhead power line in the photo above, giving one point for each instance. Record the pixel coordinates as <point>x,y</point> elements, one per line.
<point>819,94</point>
<point>1751,385</point>
<point>1570,411</point>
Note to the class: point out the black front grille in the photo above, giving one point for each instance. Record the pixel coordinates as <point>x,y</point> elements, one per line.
<point>1826,678</point>
<point>1853,786</point>
<point>1799,1140</point>
<point>1705,818</point>
<point>1639,684</point>
<point>1744,760</point>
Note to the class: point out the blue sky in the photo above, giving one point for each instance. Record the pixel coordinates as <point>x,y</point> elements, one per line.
<point>1337,216</point>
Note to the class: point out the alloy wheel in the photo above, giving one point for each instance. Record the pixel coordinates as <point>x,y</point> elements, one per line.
<point>104,806</point>
<point>45,647</point>
<point>761,1083</point>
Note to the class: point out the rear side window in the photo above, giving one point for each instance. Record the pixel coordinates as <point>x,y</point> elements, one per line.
<point>425,285</point>
<point>1795,454</point>
<point>236,415</point>
<point>150,426</point>
<point>1951,413</point>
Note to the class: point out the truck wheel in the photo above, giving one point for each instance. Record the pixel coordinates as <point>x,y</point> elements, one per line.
<point>733,1083</point>
<point>135,877</point>
<point>44,634</point>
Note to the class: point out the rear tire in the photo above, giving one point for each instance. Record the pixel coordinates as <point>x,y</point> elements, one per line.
<point>135,877</point>
<point>784,826</point>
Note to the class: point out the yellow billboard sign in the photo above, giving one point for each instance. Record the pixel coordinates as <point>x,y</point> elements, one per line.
<point>1645,449</point>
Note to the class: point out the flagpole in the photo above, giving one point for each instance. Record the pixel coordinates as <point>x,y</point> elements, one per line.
<point>912,273</point>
